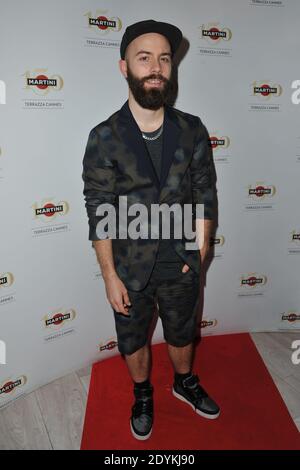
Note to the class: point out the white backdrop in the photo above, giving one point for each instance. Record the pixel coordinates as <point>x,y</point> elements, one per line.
<point>237,76</point>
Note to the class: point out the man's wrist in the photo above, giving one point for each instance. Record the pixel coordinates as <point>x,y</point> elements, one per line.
<point>108,275</point>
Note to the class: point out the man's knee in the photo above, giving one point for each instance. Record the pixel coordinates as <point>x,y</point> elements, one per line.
<point>129,348</point>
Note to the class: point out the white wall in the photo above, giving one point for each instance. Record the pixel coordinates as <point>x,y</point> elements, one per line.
<point>47,264</point>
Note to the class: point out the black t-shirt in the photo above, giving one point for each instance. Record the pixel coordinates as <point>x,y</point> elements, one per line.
<point>166,252</point>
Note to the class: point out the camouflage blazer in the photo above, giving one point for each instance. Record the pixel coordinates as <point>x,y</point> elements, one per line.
<point>117,163</point>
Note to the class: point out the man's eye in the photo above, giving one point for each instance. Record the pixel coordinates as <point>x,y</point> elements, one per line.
<point>144,58</point>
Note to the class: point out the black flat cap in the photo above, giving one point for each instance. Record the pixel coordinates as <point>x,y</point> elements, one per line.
<point>171,32</point>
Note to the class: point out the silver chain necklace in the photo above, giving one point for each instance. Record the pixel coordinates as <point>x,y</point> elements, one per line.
<point>156,136</point>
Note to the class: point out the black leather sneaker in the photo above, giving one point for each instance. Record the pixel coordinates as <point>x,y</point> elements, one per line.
<point>190,391</point>
<point>141,420</point>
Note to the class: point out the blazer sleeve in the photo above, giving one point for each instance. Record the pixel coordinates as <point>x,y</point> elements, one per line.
<point>99,178</point>
<point>202,173</point>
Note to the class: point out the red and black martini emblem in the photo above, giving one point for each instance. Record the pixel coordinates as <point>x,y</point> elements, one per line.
<point>58,318</point>
<point>102,22</point>
<point>252,281</point>
<point>215,142</point>
<point>49,209</point>
<point>265,90</point>
<point>214,33</point>
<point>291,317</point>
<point>108,346</point>
<point>9,386</point>
<point>42,82</point>
<point>259,191</point>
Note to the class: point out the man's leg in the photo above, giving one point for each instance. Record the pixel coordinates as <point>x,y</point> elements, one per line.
<point>186,385</point>
<point>141,420</point>
<point>178,312</point>
<point>181,358</point>
<point>139,363</point>
<point>132,332</point>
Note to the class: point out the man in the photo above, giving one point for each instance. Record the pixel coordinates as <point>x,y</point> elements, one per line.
<point>153,154</point>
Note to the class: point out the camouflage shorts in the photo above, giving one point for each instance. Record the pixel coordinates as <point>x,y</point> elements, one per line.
<point>175,294</point>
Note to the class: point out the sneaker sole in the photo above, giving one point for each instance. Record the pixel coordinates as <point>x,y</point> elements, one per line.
<point>137,436</point>
<point>199,412</point>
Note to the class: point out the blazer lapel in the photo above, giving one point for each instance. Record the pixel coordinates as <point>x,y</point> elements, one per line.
<point>171,134</point>
<point>132,136</point>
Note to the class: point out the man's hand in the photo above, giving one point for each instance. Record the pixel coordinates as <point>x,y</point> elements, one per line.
<point>204,228</point>
<point>185,268</point>
<point>117,294</point>
<point>204,251</point>
<point>116,291</point>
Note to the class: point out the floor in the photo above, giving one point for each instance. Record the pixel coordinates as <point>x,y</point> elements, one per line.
<point>52,417</point>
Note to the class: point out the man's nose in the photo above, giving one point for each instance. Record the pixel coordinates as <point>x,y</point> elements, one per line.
<point>156,65</point>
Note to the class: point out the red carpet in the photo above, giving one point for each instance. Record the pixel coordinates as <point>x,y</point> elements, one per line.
<point>253,414</point>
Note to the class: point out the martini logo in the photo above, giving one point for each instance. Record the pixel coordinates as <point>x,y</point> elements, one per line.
<point>253,280</point>
<point>9,386</point>
<point>59,319</point>
<point>291,316</point>
<point>217,241</point>
<point>266,90</point>
<point>295,236</point>
<point>205,323</point>
<point>2,92</point>
<point>41,82</point>
<point>102,22</point>
<point>111,343</point>
<point>49,210</point>
<point>261,191</point>
<point>213,33</point>
<point>6,279</point>
<point>219,142</point>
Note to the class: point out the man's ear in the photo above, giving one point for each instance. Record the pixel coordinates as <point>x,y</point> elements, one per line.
<point>123,67</point>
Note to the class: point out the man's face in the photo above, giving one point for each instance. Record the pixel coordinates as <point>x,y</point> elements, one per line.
<point>148,68</point>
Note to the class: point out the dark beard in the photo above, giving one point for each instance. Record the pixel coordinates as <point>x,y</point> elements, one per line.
<point>153,98</point>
